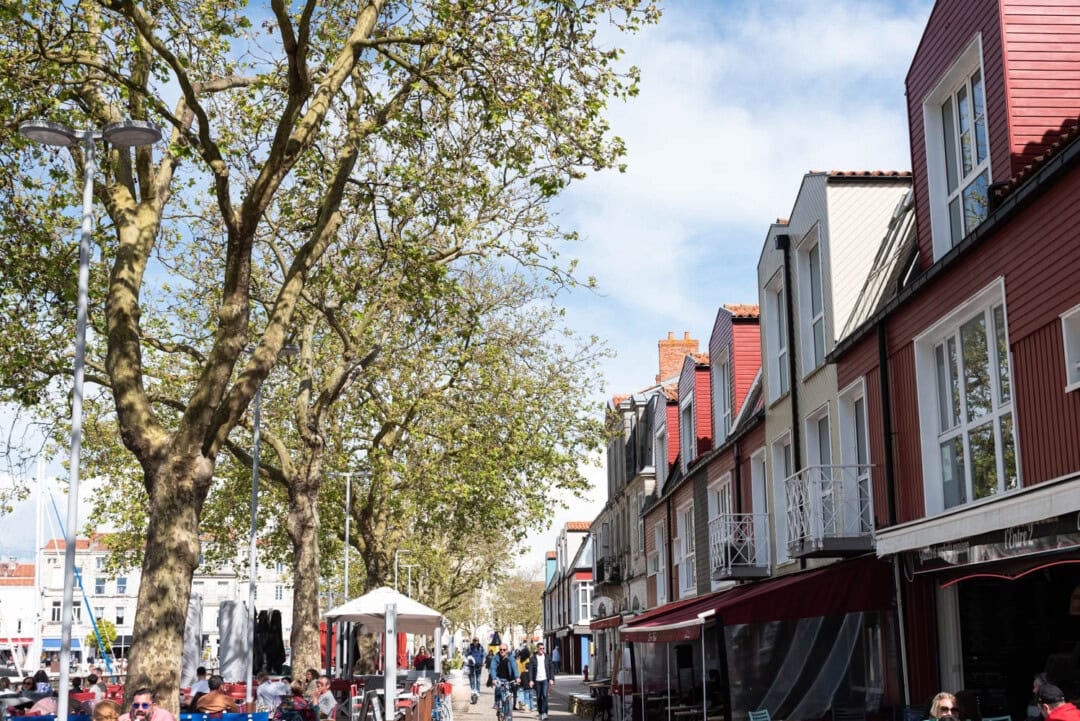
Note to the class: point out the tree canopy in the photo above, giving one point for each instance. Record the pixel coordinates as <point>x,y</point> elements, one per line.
<point>291,130</point>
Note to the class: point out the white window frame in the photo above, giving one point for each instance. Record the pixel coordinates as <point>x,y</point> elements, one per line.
<point>660,455</point>
<point>687,432</point>
<point>1070,332</point>
<point>779,371</point>
<point>639,506</point>
<point>811,321</point>
<point>99,586</point>
<point>966,65</point>
<point>687,545</point>
<point>661,563</point>
<point>780,447</point>
<point>932,435</point>
<point>99,613</point>
<point>55,612</point>
<point>721,502</point>
<point>721,393</point>
<point>585,589</point>
<point>851,428</point>
<point>121,585</point>
<point>121,615</point>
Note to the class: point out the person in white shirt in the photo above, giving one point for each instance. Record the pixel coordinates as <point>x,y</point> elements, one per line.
<point>541,675</point>
<point>268,694</point>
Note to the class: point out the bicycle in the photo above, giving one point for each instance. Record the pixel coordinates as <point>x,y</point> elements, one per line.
<point>504,699</point>
<point>443,709</point>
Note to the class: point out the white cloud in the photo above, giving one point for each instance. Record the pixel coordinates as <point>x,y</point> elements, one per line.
<point>738,100</point>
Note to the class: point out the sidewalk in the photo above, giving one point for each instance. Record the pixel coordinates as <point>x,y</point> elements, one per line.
<point>558,698</point>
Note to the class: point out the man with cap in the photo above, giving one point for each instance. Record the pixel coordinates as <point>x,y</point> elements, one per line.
<point>1052,704</point>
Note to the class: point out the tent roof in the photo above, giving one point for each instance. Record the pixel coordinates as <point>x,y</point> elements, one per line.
<point>370,610</point>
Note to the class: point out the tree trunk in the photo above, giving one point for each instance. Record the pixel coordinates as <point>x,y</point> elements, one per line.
<point>303,528</point>
<point>170,560</point>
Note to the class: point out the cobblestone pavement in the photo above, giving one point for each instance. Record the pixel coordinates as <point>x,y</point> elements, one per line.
<point>558,700</point>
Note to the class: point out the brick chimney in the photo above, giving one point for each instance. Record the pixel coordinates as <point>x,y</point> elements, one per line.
<point>672,352</point>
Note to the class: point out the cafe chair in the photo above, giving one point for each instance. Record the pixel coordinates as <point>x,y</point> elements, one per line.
<point>761,714</point>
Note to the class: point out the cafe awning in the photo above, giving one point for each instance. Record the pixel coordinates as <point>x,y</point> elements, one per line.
<point>864,584</point>
<point>53,644</point>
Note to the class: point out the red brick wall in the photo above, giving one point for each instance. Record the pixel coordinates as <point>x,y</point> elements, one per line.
<point>672,351</point>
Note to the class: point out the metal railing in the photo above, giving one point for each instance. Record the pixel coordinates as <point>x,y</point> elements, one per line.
<point>738,539</point>
<point>828,502</point>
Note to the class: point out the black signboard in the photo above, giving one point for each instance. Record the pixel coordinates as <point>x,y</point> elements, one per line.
<point>1051,534</point>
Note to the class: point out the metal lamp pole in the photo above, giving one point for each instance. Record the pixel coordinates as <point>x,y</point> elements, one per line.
<point>397,556</point>
<point>252,558</point>
<point>128,133</point>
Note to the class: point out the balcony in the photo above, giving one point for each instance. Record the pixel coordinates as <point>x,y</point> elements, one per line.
<point>739,546</point>
<point>614,572</point>
<point>830,512</point>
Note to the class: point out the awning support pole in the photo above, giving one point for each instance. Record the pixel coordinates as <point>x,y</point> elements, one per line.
<point>668,656</point>
<point>704,690</point>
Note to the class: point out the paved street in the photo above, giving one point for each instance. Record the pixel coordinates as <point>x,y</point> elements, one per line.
<point>557,706</point>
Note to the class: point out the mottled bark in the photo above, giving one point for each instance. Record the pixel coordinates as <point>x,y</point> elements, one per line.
<point>303,529</point>
<point>172,554</point>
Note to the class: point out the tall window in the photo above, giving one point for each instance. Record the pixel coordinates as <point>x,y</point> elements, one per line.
<point>966,420</point>
<point>958,163</point>
<point>687,567</point>
<point>54,614</point>
<point>639,505</point>
<point>967,156</point>
<point>584,601</point>
<point>99,612</point>
<point>776,339</point>
<point>975,428</point>
<point>721,390</point>
<point>661,455</point>
<point>121,585</point>
<point>817,307</point>
<point>688,445</point>
<point>854,449</point>
<point>99,586</point>
<point>121,614</point>
<point>100,561</point>
<point>781,467</point>
<point>279,592</point>
<point>661,564</point>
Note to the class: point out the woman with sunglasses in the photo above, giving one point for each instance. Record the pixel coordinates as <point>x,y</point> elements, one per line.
<point>944,704</point>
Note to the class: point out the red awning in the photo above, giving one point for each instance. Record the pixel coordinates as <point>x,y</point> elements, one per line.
<point>861,585</point>
<point>608,622</point>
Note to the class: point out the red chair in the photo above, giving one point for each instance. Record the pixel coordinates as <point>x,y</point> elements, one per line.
<point>83,697</point>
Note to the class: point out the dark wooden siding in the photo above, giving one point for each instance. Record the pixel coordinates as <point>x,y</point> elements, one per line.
<point>1036,254</point>
<point>721,341</point>
<point>907,449</point>
<point>702,556</point>
<point>952,26</point>
<point>653,516</point>
<point>1042,61</point>
<point>747,360</point>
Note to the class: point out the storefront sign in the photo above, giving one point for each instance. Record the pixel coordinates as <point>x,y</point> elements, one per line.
<point>1052,534</point>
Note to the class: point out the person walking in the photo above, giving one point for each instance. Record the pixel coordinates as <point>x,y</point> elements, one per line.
<point>555,658</point>
<point>541,676</point>
<point>475,653</point>
<point>523,676</point>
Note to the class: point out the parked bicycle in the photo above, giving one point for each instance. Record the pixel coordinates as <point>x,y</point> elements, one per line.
<point>443,709</point>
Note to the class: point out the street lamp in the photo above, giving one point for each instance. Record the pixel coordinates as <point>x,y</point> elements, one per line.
<point>124,134</point>
<point>408,583</point>
<point>397,556</point>
<point>288,350</point>
<point>348,475</point>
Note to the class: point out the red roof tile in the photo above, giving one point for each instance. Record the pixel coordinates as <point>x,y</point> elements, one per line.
<point>97,543</point>
<point>869,173</point>
<point>671,392</point>
<point>577,525</point>
<point>700,358</point>
<point>742,310</point>
<point>1068,134</point>
<point>619,398</point>
<point>552,554</point>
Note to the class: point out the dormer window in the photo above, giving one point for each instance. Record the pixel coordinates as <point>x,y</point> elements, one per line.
<point>661,455</point>
<point>721,390</point>
<point>958,151</point>
<point>687,446</point>
<point>776,339</point>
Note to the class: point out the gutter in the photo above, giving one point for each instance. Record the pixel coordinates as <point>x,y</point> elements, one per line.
<point>783,242</point>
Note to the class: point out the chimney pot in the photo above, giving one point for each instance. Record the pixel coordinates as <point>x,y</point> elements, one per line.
<point>686,335</point>
<point>671,335</point>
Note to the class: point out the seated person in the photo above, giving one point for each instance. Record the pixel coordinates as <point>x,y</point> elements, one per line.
<point>217,701</point>
<point>45,706</point>
<point>294,707</point>
<point>944,704</point>
<point>325,700</point>
<point>144,708</point>
<point>420,660</point>
<point>94,687</point>
<point>106,710</point>
<point>269,693</point>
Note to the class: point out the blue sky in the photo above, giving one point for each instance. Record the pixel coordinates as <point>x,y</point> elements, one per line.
<point>738,100</point>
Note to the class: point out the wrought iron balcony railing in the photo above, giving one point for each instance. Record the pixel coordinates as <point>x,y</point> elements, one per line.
<point>739,545</point>
<point>830,511</point>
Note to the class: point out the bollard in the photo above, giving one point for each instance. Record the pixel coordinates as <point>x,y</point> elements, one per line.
<point>585,670</point>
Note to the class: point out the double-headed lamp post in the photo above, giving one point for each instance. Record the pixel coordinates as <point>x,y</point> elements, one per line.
<point>124,134</point>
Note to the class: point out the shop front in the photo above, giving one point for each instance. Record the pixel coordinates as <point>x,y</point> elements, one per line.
<point>803,646</point>
<point>1006,607</point>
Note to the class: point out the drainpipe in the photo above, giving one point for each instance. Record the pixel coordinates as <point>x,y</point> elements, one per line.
<point>886,425</point>
<point>738,478</point>
<point>670,555</point>
<point>783,242</point>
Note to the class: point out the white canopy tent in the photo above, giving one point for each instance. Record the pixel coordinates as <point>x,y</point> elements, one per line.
<point>370,610</point>
<point>386,610</point>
